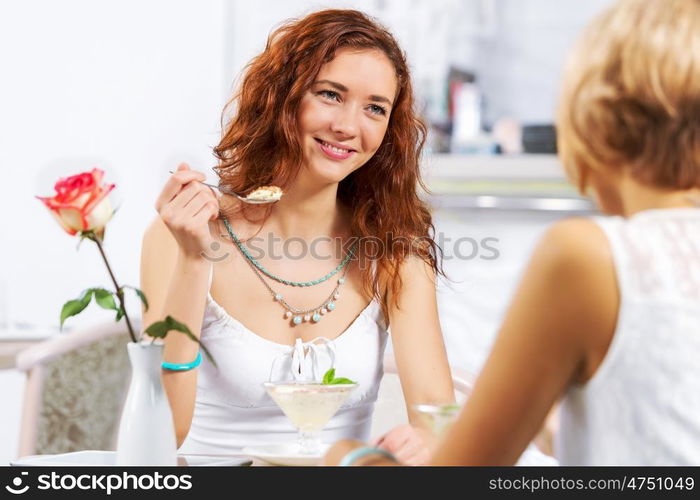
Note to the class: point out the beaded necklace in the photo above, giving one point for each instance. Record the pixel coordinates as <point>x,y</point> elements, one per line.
<point>267,273</point>
<point>296,315</point>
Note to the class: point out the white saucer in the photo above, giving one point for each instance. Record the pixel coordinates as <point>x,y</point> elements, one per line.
<point>284,454</point>
<point>109,458</point>
<point>75,458</point>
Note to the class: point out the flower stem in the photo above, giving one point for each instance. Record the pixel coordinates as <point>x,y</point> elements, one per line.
<point>120,292</point>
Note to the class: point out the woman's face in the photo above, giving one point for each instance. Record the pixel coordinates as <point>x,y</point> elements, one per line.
<point>344,115</point>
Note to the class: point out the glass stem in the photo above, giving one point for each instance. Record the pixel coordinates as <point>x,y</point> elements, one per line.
<point>310,442</point>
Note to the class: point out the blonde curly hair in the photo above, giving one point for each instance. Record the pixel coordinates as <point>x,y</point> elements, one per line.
<point>631,95</point>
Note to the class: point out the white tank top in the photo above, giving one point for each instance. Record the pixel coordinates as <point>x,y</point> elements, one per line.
<point>642,406</point>
<point>232,409</point>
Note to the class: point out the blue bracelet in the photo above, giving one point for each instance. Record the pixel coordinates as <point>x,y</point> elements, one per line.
<point>358,453</point>
<point>181,367</point>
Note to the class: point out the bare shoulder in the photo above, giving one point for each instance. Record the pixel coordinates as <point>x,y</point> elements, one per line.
<point>575,244</point>
<point>574,263</point>
<point>417,276</point>
<point>415,267</point>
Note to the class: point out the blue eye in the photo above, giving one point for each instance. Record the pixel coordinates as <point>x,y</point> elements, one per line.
<point>377,110</point>
<point>329,94</point>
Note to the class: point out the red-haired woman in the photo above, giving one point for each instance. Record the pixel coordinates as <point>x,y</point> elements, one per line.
<point>289,290</point>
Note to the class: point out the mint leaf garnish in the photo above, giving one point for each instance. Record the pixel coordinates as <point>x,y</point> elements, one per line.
<point>341,380</point>
<point>330,379</point>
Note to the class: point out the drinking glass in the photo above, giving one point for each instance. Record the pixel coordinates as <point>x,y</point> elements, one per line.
<point>309,406</point>
<point>437,417</point>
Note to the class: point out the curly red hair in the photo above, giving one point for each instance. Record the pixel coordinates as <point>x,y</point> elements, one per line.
<point>261,143</point>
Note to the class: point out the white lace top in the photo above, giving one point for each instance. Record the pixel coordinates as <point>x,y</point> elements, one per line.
<point>642,406</point>
<point>232,409</point>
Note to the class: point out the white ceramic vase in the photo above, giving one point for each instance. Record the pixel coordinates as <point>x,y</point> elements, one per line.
<point>146,431</point>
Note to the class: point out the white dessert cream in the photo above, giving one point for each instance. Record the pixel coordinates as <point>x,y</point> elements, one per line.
<point>265,193</point>
<point>309,406</point>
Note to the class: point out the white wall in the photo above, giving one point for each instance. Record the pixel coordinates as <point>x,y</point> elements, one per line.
<point>519,63</point>
<point>130,86</point>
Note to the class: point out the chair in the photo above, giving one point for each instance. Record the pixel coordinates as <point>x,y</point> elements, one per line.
<point>390,409</point>
<point>75,389</point>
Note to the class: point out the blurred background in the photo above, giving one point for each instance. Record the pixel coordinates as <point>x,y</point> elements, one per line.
<point>135,87</point>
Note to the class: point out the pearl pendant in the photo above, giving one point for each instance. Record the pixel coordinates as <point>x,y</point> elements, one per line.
<point>315,317</point>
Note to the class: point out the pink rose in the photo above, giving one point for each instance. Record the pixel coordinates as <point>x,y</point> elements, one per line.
<point>81,203</point>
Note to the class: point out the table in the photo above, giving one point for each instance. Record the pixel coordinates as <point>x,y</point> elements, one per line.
<point>108,458</point>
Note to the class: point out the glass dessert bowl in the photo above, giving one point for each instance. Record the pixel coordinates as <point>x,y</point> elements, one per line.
<point>309,406</point>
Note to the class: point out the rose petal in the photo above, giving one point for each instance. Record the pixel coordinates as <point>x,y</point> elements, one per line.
<point>70,188</point>
<point>97,175</point>
<point>98,196</point>
<point>65,227</point>
<point>99,216</point>
<point>73,218</point>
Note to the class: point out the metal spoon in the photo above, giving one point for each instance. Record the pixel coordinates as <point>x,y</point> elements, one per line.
<point>242,198</point>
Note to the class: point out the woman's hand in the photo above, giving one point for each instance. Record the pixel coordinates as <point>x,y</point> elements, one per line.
<point>186,206</point>
<point>409,444</point>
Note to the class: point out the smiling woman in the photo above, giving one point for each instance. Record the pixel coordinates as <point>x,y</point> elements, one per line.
<point>354,65</point>
<point>325,112</point>
<point>340,122</point>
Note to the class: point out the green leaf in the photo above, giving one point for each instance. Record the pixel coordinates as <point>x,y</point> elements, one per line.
<point>341,380</point>
<point>74,307</point>
<point>328,377</point>
<point>120,314</point>
<point>105,299</point>
<point>160,329</point>
<point>140,294</point>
